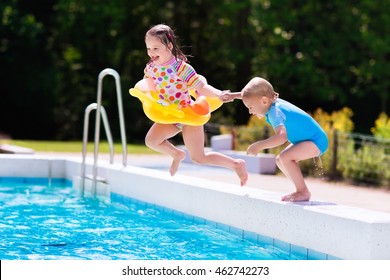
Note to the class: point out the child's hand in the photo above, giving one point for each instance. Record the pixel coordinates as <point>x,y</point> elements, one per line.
<point>228,96</point>
<point>252,149</point>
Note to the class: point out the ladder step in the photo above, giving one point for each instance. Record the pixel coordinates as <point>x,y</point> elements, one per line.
<point>98,179</point>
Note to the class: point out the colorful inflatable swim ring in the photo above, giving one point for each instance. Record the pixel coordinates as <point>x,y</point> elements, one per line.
<point>198,113</point>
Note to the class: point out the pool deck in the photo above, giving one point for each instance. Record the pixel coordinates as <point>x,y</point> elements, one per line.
<point>371,198</point>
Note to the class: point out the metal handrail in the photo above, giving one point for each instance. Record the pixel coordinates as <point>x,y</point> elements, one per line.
<point>106,124</point>
<point>115,74</point>
<point>99,108</point>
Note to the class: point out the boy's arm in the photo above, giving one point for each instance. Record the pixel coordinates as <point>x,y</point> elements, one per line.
<point>278,139</point>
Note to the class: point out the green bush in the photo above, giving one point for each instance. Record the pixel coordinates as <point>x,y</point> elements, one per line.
<point>365,164</point>
<point>382,127</point>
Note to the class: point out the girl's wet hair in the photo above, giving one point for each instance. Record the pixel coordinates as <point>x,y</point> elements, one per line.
<point>166,36</point>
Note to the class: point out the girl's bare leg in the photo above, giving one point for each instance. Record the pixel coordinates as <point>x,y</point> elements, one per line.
<point>288,160</point>
<point>156,139</point>
<point>193,137</point>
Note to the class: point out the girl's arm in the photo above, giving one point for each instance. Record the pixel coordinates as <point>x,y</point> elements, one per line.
<point>228,96</point>
<point>278,139</point>
<point>208,90</point>
<point>223,95</point>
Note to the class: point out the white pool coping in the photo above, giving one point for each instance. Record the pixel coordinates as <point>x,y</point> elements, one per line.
<point>336,231</point>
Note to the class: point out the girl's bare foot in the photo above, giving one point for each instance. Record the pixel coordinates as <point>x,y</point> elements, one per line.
<point>297,196</point>
<point>240,168</point>
<point>176,162</point>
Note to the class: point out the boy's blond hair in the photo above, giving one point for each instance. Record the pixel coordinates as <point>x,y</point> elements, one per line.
<point>258,87</point>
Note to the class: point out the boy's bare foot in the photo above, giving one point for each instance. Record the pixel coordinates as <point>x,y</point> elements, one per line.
<point>240,168</point>
<point>176,162</point>
<point>297,196</point>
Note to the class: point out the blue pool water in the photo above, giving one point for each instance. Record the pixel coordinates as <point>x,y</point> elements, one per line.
<point>49,220</point>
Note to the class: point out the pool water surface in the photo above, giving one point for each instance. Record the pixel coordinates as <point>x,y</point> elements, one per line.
<point>41,219</point>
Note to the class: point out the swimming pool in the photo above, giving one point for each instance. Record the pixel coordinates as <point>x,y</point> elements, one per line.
<point>315,229</point>
<point>41,222</point>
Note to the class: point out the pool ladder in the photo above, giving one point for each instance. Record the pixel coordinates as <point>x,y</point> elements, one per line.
<point>101,114</point>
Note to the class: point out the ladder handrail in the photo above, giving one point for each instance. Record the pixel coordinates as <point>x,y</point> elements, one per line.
<point>90,107</point>
<point>112,72</point>
<point>99,108</point>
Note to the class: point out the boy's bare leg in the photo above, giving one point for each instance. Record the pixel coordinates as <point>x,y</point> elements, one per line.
<point>288,160</point>
<point>156,139</point>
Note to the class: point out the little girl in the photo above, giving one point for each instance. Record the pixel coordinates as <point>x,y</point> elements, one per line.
<point>166,59</point>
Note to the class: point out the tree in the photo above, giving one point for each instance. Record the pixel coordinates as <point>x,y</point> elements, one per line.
<point>316,54</point>
<point>26,73</point>
<point>328,54</point>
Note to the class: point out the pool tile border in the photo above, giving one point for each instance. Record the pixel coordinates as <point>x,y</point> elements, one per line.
<point>296,252</point>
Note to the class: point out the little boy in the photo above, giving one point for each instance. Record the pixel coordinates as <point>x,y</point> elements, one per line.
<point>290,123</point>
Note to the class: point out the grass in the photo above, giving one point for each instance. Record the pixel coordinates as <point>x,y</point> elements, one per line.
<point>75,146</point>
